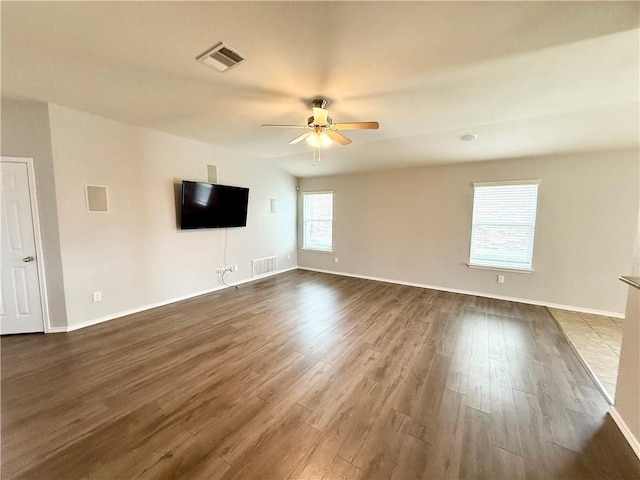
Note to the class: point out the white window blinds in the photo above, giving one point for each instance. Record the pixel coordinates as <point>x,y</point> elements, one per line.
<point>504,219</point>
<point>317,217</point>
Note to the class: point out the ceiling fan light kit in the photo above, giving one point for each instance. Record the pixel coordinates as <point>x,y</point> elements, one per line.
<point>321,131</point>
<point>319,139</point>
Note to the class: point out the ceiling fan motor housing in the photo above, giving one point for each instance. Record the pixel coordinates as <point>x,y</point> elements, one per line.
<point>319,103</point>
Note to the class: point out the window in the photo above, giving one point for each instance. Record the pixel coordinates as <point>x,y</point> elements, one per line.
<point>504,220</point>
<point>317,218</point>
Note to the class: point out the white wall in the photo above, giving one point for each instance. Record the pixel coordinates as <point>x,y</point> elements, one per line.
<point>135,255</point>
<point>25,133</point>
<point>414,226</point>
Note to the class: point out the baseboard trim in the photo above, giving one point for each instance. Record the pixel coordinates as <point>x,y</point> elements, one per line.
<point>469,292</point>
<point>124,313</point>
<point>96,321</point>
<point>57,330</point>
<point>631,439</point>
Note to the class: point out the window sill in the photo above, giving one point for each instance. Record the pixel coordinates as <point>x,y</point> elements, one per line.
<point>500,269</point>
<point>316,250</point>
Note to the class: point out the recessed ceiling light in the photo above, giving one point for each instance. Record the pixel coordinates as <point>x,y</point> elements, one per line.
<point>468,137</point>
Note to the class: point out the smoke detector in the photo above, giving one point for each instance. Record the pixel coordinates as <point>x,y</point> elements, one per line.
<point>221,57</point>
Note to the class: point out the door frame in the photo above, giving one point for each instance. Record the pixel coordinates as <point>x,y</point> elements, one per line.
<point>35,218</point>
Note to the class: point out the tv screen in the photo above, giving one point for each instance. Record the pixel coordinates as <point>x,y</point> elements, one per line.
<point>208,205</point>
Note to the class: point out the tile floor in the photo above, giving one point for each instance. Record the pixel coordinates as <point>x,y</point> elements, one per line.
<point>597,338</point>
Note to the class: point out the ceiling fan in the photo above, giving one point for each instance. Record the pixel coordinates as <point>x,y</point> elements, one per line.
<point>320,129</point>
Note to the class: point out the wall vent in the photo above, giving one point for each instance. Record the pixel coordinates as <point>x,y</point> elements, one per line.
<point>222,57</point>
<point>264,266</point>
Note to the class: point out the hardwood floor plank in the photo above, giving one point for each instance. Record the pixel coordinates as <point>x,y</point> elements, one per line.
<point>277,451</point>
<point>519,371</point>
<point>445,453</point>
<point>293,381</point>
<point>326,396</point>
<point>507,465</point>
<point>412,459</point>
<point>504,430</point>
<point>200,403</point>
<point>531,430</point>
<point>140,432</point>
<point>497,344</point>
<point>341,470</point>
<point>412,380</point>
<point>569,464</point>
<point>230,420</point>
<point>479,390</point>
<point>377,456</point>
<point>558,427</point>
<point>429,399</point>
<point>307,375</point>
<point>476,460</point>
<point>366,431</point>
<point>189,459</point>
<point>458,375</point>
<point>348,428</point>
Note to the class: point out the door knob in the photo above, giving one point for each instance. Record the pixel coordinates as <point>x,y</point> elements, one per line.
<point>28,259</point>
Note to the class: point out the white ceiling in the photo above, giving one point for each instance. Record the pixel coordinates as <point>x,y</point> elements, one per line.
<point>529,78</point>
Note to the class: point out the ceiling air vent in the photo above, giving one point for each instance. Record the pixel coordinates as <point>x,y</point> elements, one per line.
<point>221,57</point>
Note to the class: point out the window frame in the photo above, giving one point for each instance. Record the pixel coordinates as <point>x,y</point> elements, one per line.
<point>533,225</point>
<point>304,220</point>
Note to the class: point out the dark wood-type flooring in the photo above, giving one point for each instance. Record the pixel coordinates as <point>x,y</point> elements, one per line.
<point>311,376</point>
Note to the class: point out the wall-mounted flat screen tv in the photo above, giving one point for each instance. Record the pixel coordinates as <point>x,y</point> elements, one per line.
<point>209,205</point>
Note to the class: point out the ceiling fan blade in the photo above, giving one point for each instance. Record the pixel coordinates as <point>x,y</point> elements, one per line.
<point>283,126</point>
<point>299,138</point>
<point>356,126</point>
<point>338,137</point>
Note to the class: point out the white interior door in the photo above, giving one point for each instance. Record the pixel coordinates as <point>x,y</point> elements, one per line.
<point>20,299</point>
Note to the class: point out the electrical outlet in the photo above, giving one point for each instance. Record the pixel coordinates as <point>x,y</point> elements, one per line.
<point>289,257</point>
<point>235,268</point>
<point>500,278</point>
<point>97,296</point>
<point>335,259</point>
